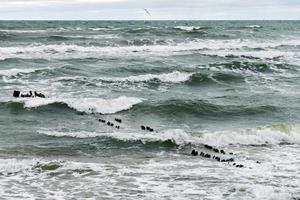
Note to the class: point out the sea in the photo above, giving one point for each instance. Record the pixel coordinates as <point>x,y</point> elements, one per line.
<point>126,102</point>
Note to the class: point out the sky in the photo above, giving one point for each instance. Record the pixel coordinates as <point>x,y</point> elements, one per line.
<point>159,9</point>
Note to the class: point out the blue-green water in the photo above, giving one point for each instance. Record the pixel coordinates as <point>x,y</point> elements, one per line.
<point>230,84</point>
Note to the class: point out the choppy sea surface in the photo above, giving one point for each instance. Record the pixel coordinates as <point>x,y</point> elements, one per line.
<point>233,85</point>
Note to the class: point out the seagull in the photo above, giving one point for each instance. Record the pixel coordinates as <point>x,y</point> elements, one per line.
<point>147,12</point>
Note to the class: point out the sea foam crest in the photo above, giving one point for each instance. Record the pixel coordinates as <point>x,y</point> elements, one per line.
<point>188,28</point>
<point>88,105</point>
<point>63,51</point>
<point>15,71</point>
<point>274,134</point>
<point>254,26</point>
<point>176,136</point>
<point>173,77</point>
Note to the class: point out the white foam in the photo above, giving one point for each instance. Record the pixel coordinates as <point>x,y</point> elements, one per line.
<point>188,28</point>
<point>99,29</point>
<point>14,165</point>
<point>62,51</point>
<point>177,136</point>
<point>15,71</point>
<point>257,136</point>
<point>106,36</point>
<point>254,26</point>
<point>88,105</point>
<point>274,134</point>
<point>173,77</point>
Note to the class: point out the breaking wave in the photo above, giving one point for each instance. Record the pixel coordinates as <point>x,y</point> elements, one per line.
<point>174,136</point>
<point>15,71</point>
<point>188,28</point>
<point>174,77</point>
<point>267,135</point>
<point>87,105</point>
<point>211,47</point>
<point>273,134</point>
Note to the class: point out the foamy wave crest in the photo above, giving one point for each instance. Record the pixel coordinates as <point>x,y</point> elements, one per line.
<point>8,166</point>
<point>176,136</point>
<point>274,134</point>
<point>99,29</point>
<point>254,26</point>
<point>174,77</point>
<point>15,71</point>
<point>88,105</point>
<point>188,28</point>
<point>63,51</point>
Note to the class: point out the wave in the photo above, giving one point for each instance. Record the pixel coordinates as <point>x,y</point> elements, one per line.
<point>15,71</point>
<point>174,77</point>
<point>219,76</point>
<point>23,31</point>
<point>254,26</point>
<point>195,78</point>
<point>209,47</point>
<point>101,29</point>
<point>174,136</point>
<point>87,105</point>
<point>273,134</point>
<point>188,28</point>
<point>76,37</point>
<point>201,108</point>
<point>46,30</point>
<point>267,135</point>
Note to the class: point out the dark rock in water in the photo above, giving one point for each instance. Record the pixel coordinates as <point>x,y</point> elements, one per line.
<point>151,129</point>
<point>143,127</point>
<point>231,153</point>
<point>194,152</point>
<point>208,147</point>
<point>234,164</point>
<point>102,120</point>
<point>111,124</point>
<point>222,151</point>
<point>118,120</point>
<point>201,154</point>
<point>216,150</point>
<point>207,156</point>
<point>147,128</point>
<point>108,123</point>
<point>16,94</point>
<point>230,160</point>
<point>257,162</point>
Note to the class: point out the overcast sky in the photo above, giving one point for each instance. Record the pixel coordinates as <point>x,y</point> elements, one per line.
<point>159,9</point>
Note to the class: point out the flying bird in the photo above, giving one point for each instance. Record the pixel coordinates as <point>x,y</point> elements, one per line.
<point>147,12</point>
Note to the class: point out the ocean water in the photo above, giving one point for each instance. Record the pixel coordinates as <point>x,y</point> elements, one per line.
<point>233,85</point>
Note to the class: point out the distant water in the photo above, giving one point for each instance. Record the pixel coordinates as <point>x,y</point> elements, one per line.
<point>234,85</point>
